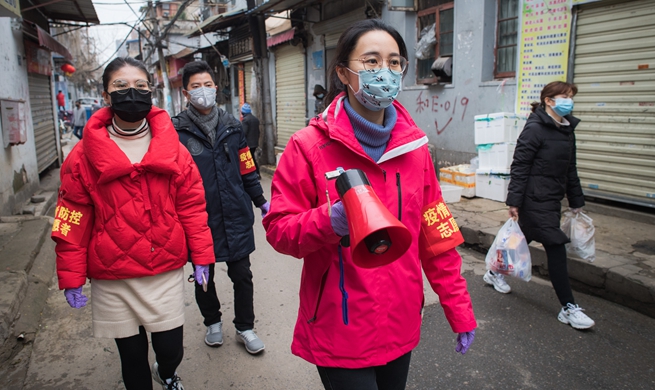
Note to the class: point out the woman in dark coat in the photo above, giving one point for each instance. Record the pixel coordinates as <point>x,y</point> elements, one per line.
<point>543,172</point>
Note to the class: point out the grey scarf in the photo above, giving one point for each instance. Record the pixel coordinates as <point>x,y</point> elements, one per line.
<point>206,123</point>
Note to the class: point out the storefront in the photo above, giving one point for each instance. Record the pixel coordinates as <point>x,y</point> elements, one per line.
<point>613,68</point>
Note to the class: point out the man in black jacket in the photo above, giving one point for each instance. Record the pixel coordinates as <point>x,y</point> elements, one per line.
<point>217,143</point>
<point>250,125</point>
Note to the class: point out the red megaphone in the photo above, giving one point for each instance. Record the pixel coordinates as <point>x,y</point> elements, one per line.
<point>376,236</point>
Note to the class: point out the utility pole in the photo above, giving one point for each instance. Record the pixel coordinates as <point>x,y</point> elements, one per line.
<point>168,104</point>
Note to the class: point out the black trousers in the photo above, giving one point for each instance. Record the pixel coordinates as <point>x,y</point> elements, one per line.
<point>252,153</point>
<point>134,356</point>
<point>244,312</point>
<point>391,376</point>
<point>559,273</point>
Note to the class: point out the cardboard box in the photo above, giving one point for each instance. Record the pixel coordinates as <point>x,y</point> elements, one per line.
<point>461,176</point>
<point>496,156</point>
<point>491,185</point>
<point>498,127</point>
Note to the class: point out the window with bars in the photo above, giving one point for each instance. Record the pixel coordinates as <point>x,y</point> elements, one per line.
<point>506,38</point>
<point>440,14</point>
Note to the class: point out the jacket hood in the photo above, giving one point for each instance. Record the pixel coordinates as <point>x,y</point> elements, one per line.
<point>335,123</point>
<point>110,161</point>
<point>541,116</point>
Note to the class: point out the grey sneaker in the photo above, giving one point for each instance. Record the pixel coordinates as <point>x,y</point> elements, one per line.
<point>253,344</point>
<point>573,315</point>
<point>498,281</point>
<point>214,336</point>
<point>174,383</point>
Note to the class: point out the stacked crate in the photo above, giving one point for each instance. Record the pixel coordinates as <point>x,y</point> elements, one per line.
<point>461,176</point>
<point>495,140</point>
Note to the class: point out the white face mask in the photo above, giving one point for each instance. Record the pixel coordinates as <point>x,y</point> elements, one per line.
<point>203,97</point>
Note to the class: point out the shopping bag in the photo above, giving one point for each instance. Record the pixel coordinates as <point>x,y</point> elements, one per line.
<point>509,254</point>
<point>579,228</point>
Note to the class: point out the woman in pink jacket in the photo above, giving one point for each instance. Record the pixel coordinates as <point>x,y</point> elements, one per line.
<point>131,210</point>
<point>359,325</point>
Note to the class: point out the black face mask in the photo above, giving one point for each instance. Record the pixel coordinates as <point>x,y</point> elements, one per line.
<point>132,106</point>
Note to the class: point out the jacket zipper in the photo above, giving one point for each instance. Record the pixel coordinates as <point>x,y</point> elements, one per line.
<point>320,295</point>
<point>400,196</point>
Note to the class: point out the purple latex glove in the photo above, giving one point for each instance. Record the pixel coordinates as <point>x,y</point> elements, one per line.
<point>75,298</point>
<point>338,220</point>
<point>201,270</point>
<point>464,341</point>
<point>265,208</point>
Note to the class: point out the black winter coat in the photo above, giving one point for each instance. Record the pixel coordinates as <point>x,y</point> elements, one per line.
<point>544,171</point>
<point>228,193</point>
<point>250,125</point>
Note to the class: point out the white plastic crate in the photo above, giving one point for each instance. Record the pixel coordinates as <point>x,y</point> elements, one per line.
<point>451,193</point>
<point>491,185</point>
<point>498,127</point>
<point>496,156</point>
<point>460,175</point>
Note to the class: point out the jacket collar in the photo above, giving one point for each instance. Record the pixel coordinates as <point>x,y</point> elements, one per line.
<point>405,136</point>
<point>110,162</point>
<point>225,121</point>
<point>542,116</point>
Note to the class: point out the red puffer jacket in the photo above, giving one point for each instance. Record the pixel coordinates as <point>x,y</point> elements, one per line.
<point>118,220</point>
<point>353,317</point>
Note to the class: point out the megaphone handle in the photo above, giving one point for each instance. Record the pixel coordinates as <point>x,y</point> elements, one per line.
<point>345,241</point>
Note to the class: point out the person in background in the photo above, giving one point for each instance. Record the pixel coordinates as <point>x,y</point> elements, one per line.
<point>543,171</point>
<point>79,119</point>
<point>218,145</point>
<point>61,101</point>
<point>360,325</point>
<point>319,94</point>
<point>250,125</point>
<point>131,210</point>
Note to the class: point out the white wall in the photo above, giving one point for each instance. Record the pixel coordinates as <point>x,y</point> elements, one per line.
<point>18,169</point>
<point>472,91</point>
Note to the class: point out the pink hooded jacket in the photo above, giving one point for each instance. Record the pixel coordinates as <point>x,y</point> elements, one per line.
<point>376,317</point>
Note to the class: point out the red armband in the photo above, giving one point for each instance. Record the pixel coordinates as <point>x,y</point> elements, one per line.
<point>439,231</point>
<point>73,222</point>
<point>247,164</point>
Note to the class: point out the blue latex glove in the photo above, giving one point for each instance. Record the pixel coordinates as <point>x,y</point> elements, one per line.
<point>201,270</point>
<point>265,208</point>
<point>75,298</point>
<point>464,341</point>
<point>338,220</point>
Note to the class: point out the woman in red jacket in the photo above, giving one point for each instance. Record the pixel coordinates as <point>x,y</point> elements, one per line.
<point>359,325</point>
<point>131,208</point>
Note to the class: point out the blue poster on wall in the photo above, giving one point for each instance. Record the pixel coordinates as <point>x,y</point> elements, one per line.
<point>317,59</point>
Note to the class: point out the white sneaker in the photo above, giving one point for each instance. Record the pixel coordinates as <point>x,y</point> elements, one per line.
<point>498,281</point>
<point>253,343</point>
<point>573,315</point>
<point>174,383</point>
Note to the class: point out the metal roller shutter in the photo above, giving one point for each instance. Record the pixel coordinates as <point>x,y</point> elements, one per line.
<point>332,28</point>
<point>289,92</point>
<point>247,70</point>
<point>614,69</point>
<point>43,120</point>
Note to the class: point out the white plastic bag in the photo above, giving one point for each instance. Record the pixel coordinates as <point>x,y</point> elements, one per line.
<point>580,230</point>
<point>425,46</point>
<point>509,254</point>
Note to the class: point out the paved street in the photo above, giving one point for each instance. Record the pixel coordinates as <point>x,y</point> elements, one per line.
<point>519,343</point>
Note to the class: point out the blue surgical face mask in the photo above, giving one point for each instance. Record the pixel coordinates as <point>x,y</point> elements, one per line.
<point>378,90</point>
<point>563,106</point>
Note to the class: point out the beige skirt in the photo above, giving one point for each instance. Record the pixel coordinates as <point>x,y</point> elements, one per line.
<point>120,306</point>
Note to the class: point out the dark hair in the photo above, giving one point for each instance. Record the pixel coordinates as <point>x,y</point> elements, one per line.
<point>119,63</point>
<point>346,45</point>
<point>193,68</point>
<point>553,89</point>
